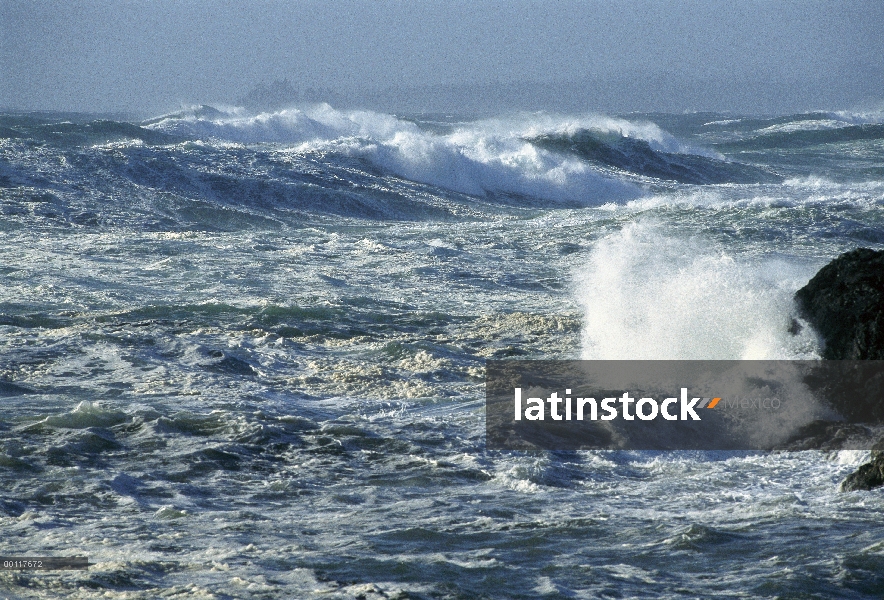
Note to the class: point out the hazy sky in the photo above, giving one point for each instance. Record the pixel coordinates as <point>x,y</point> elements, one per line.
<point>148,56</point>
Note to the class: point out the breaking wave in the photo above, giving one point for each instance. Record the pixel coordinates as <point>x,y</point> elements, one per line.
<point>226,168</point>
<point>648,294</point>
<point>481,158</point>
<point>587,160</point>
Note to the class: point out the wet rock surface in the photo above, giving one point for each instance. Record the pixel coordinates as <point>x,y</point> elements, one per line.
<point>867,476</point>
<point>844,302</point>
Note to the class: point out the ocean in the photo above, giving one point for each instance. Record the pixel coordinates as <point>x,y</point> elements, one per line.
<point>242,355</point>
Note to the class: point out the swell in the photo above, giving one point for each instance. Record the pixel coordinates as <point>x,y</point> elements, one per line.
<point>211,169</point>
<point>637,156</point>
<point>207,169</point>
<point>486,159</point>
<point>800,138</point>
<point>202,187</point>
<point>68,134</point>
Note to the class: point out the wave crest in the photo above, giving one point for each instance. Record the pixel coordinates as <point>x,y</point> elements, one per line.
<point>638,156</point>
<point>480,158</point>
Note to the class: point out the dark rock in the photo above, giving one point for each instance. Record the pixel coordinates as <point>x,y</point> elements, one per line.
<point>844,302</point>
<point>866,477</point>
<point>854,389</point>
<point>869,475</point>
<point>829,436</point>
<point>230,365</point>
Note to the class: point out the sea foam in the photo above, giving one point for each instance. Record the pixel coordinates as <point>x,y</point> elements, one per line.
<point>478,158</point>
<point>649,293</point>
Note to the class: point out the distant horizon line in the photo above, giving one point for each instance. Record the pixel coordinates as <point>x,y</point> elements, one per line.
<point>140,116</point>
<point>605,93</point>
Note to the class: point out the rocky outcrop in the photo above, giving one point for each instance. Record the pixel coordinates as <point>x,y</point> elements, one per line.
<point>844,302</point>
<point>831,436</point>
<point>867,476</point>
<point>854,389</point>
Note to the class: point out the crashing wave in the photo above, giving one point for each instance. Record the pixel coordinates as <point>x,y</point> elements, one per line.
<point>481,158</point>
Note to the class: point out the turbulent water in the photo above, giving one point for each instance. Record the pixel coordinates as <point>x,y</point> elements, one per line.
<point>243,355</point>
